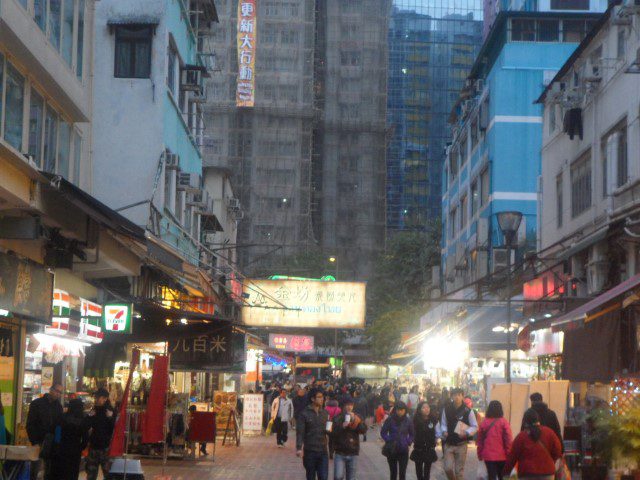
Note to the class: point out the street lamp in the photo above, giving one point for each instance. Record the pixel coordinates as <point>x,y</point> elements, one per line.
<point>509,223</point>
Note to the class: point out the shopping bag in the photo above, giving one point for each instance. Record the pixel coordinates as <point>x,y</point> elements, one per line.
<point>269,428</point>
<point>481,471</point>
<point>562,470</point>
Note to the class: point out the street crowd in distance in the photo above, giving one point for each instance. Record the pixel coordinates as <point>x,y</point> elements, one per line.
<point>330,420</point>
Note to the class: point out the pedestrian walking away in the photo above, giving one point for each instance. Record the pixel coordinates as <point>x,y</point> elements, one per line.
<point>45,414</point>
<point>548,417</point>
<point>361,407</point>
<point>71,439</point>
<point>347,428</point>
<point>424,445</point>
<point>535,450</point>
<point>494,440</point>
<point>101,422</point>
<point>457,425</point>
<point>282,413</point>
<point>333,409</point>
<point>397,433</point>
<point>311,438</point>
<point>300,402</point>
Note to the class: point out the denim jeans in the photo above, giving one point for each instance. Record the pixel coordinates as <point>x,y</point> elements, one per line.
<point>316,463</point>
<point>344,467</point>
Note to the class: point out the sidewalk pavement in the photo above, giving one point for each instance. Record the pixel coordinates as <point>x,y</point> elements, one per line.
<point>258,458</point>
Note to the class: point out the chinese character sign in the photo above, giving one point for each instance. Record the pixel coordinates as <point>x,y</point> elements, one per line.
<point>203,352</point>
<point>252,413</point>
<point>304,303</point>
<point>246,38</point>
<point>291,343</point>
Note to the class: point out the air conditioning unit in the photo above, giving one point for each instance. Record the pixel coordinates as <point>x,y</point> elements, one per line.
<point>189,181</point>
<point>195,198</point>
<point>482,232</point>
<point>500,259</point>
<point>191,78</point>
<point>209,238</point>
<point>238,214</point>
<point>233,203</point>
<point>596,73</point>
<point>172,160</point>
<point>479,85</point>
<point>199,96</point>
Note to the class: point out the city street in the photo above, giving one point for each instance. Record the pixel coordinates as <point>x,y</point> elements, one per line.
<point>259,458</point>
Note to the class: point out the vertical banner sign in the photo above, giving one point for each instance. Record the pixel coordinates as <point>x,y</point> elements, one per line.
<point>246,38</point>
<point>252,413</point>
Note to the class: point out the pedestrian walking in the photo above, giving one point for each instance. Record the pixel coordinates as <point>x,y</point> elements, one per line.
<point>413,398</point>
<point>457,425</point>
<point>397,433</point>
<point>535,450</point>
<point>282,413</point>
<point>333,409</point>
<point>101,422</point>
<point>73,437</point>
<point>45,414</point>
<point>548,417</point>
<point>311,438</point>
<point>361,407</point>
<point>424,445</point>
<point>494,440</point>
<point>300,402</point>
<point>347,428</point>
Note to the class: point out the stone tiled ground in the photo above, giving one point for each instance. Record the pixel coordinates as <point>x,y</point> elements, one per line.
<point>259,458</point>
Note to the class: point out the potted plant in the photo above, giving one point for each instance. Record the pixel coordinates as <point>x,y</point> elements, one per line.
<point>617,440</point>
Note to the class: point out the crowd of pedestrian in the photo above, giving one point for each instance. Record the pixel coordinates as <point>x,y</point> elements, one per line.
<point>331,419</point>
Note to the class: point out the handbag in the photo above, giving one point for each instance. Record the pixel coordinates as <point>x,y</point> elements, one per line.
<point>389,448</point>
<point>269,428</point>
<point>562,470</point>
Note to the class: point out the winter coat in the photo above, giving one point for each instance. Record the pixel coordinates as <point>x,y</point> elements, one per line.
<point>332,408</point>
<point>101,425</point>
<point>65,464</point>
<point>299,404</point>
<point>286,412</point>
<point>310,430</point>
<point>380,414</point>
<point>425,433</point>
<point>361,407</point>
<point>44,416</point>
<point>346,440</point>
<point>534,458</point>
<point>400,431</point>
<point>494,440</point>
<point>548,418</point>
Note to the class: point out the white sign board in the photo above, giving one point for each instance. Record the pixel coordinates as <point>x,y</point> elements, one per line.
<point>304,303</point>
<point>252,413</point>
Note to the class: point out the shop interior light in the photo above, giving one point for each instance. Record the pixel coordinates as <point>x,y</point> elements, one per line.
<point>183,321</point>
<point>445,353</point>
<point>47,341</point>
<point>500,328</point>
<point>547,315</point>
<point>532,319</point>
<point>4,313</point>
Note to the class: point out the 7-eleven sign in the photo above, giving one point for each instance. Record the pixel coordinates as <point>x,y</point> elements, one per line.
<point>117,317</point>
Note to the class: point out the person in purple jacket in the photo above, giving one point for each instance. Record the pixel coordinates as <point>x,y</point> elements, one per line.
<point>397,433</point>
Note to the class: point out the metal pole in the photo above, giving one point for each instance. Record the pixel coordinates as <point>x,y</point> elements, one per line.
<point>508,376</point>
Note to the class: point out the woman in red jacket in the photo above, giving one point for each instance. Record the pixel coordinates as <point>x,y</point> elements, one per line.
<point>494,440</point>
<point>535,450</point>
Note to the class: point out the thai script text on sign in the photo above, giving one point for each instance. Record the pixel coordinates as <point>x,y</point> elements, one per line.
<point>246,38</point>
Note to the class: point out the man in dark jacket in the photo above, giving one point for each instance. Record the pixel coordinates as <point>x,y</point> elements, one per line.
<point>101,423</point>
<point>348,427</point>
<point>312,434</point>
<point>300,402</point>
<point>548,417</point>
<point>45,414</point>
<point>457,425</point>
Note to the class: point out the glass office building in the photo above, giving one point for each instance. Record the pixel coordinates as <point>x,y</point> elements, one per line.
<point>432,45</point>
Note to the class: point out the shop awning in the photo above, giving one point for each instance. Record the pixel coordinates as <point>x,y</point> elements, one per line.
<point>100,359</point>
<point>92,207</point>
<point>594,308</point>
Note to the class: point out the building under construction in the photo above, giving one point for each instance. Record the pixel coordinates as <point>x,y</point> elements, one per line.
<point>308,159</point>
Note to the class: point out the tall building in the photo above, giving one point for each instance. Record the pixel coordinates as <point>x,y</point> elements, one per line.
<point>308,157</point>
<point>267,147</point>
<point>431,49</point>
<point>349,146</point>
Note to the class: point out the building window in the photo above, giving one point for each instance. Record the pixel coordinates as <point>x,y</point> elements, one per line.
<point>64,148</point>
<point>36,124</point>
<point>67,31</point>
<point>50,140</point>
<point>523,30</point>
<point>548,30</point>
<point>614,149</point>
<point>463,150</point>
<point>484,187</point>
<point>475,197</point>
<point>573,31</point>
<point>80,39</point>
<point>569,4</point>
<point>453,164</point>
<point>581,185</point>
<point>55,17</point>
<point>40,13</point>
<point>552,118</point>
<point>453,222</point>
<point>474,133</point>
<point>463,212</point>
<point>559,206</point>
<point>77,157</point>
<point>133,51</point>
<point>621,42</point>
<point>14,107</point>
<point>349,58</point>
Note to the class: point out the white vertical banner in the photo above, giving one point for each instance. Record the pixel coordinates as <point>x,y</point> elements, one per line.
<point>252,414</point>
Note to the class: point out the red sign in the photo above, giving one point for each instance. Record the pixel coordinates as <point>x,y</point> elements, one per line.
<point>291,343</point>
